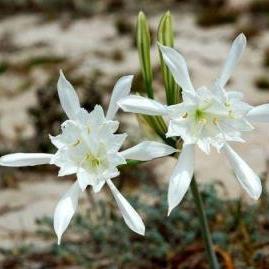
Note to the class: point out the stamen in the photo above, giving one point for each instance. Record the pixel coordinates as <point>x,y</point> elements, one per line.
<point>231,114</point>
<point>203,121</point>
<point>185,115</point>
<point>93,161</point>
<point>76,143</point>
<point>215,121</point>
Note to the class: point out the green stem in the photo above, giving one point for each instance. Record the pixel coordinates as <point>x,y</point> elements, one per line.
<point>204,225</point>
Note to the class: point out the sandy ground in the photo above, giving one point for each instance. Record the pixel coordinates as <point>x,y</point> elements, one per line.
<point>205,51</point>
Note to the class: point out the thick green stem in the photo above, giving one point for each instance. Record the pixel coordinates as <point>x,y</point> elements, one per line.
<point>204,226</point>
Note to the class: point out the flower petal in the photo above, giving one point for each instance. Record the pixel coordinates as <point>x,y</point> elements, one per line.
<point>245,175</point>
<point>68,97</point>
<point>84,179</point>
<point>181,177</point>
<point>235,53</point>
<point>182,128</point>
<point>62,159</point>
<point>131,217</point>
<point>235,95</point>
<point>113,125</point>
<point>121,89</point>
<point>70,135</point>
<point>259,113</point>
<point>116,159</point>
<point>139,104</point>
<point>25,159</point>
<point>178,110</point>
<point>118,140</point>
<point>65,210</point>
<point>178,67</point>
<point>147,151</point>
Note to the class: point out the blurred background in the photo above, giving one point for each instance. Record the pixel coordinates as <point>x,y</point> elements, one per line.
<point>93,41</point>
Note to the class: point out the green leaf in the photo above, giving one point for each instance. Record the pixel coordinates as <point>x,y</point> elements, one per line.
<point>143,45</point>
<point>166,37</point>
<point>157,123</point>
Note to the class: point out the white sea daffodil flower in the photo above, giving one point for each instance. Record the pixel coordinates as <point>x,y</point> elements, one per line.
<point>206,117</point>
<point>89,148</point>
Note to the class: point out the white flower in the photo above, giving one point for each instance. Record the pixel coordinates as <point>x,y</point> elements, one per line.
<point>206,117</point>
<point>89,148</point>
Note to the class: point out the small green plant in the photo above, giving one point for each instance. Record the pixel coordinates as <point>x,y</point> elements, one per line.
<point>101,241</point>
<point>3,67</point>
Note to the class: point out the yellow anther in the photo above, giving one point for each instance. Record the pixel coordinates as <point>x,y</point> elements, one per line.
<point>185,115</point>
<point>215,121</point>
<point>203,121</point>
<point>76,143</point>
<point>93,161</point>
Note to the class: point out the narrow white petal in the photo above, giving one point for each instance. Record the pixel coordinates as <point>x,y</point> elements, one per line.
<point>235,95</point>
<point>147,151</point>
<point>259,113</point>
<point>121,89</point>
<point>131,217</point>
<point>139,104</point>
<point>218,91</point>
<point>204,145</point>
<point>245,175</point>
<point>178,110</point>
<point>65,210</point>
<point>181,177</point>
<point>178,67</point>
<point>25,159</point>
<point>68,97</point>
<point>235,53</point>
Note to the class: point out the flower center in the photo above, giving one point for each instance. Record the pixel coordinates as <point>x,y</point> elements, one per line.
<point>200,116</point>
<point>93,161</point>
